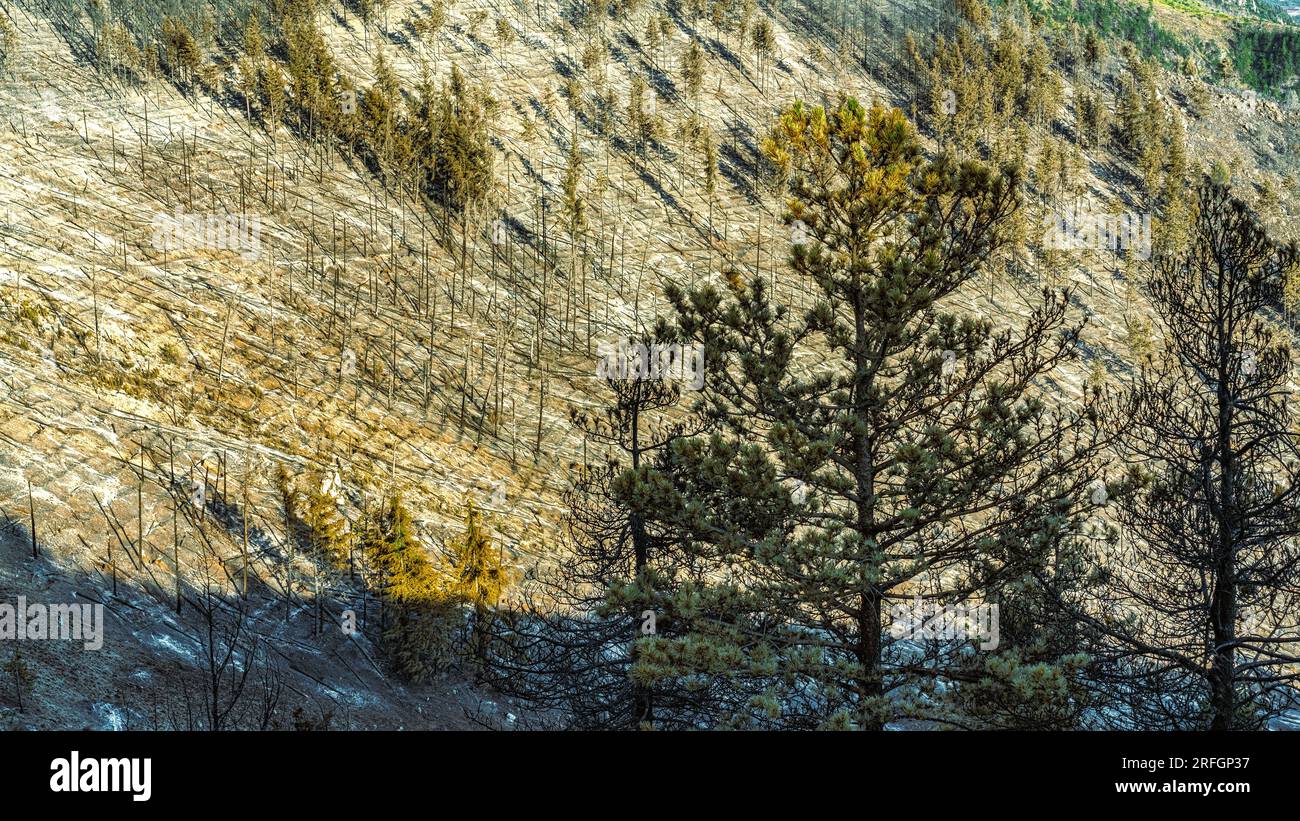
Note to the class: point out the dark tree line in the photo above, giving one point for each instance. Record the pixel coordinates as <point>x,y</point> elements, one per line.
<point>881,449</point>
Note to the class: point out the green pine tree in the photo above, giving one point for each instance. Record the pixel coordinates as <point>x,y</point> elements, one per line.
<point>870,447</point>
<point>420,611</point>
<point>479,577</point>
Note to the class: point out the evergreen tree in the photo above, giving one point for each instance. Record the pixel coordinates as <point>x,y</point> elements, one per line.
<point>420,613</point>
<point>873,448</point>
<point>448,142</point>
<point>182,55</point>
<point>272,81</point>
<point>310,68</point>
<point>1174,226</point>
<point>479,577</point>
<point>693,69</point>
<point>575,205</point>
<point>1093,119</point>
<point>247,82</point>
<point>1094,47</point>
<point>637,119</point>
<point>763,40</point>
<point>505,32</point>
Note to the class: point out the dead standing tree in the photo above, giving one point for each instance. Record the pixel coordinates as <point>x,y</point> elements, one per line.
<point>1212,495</point>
